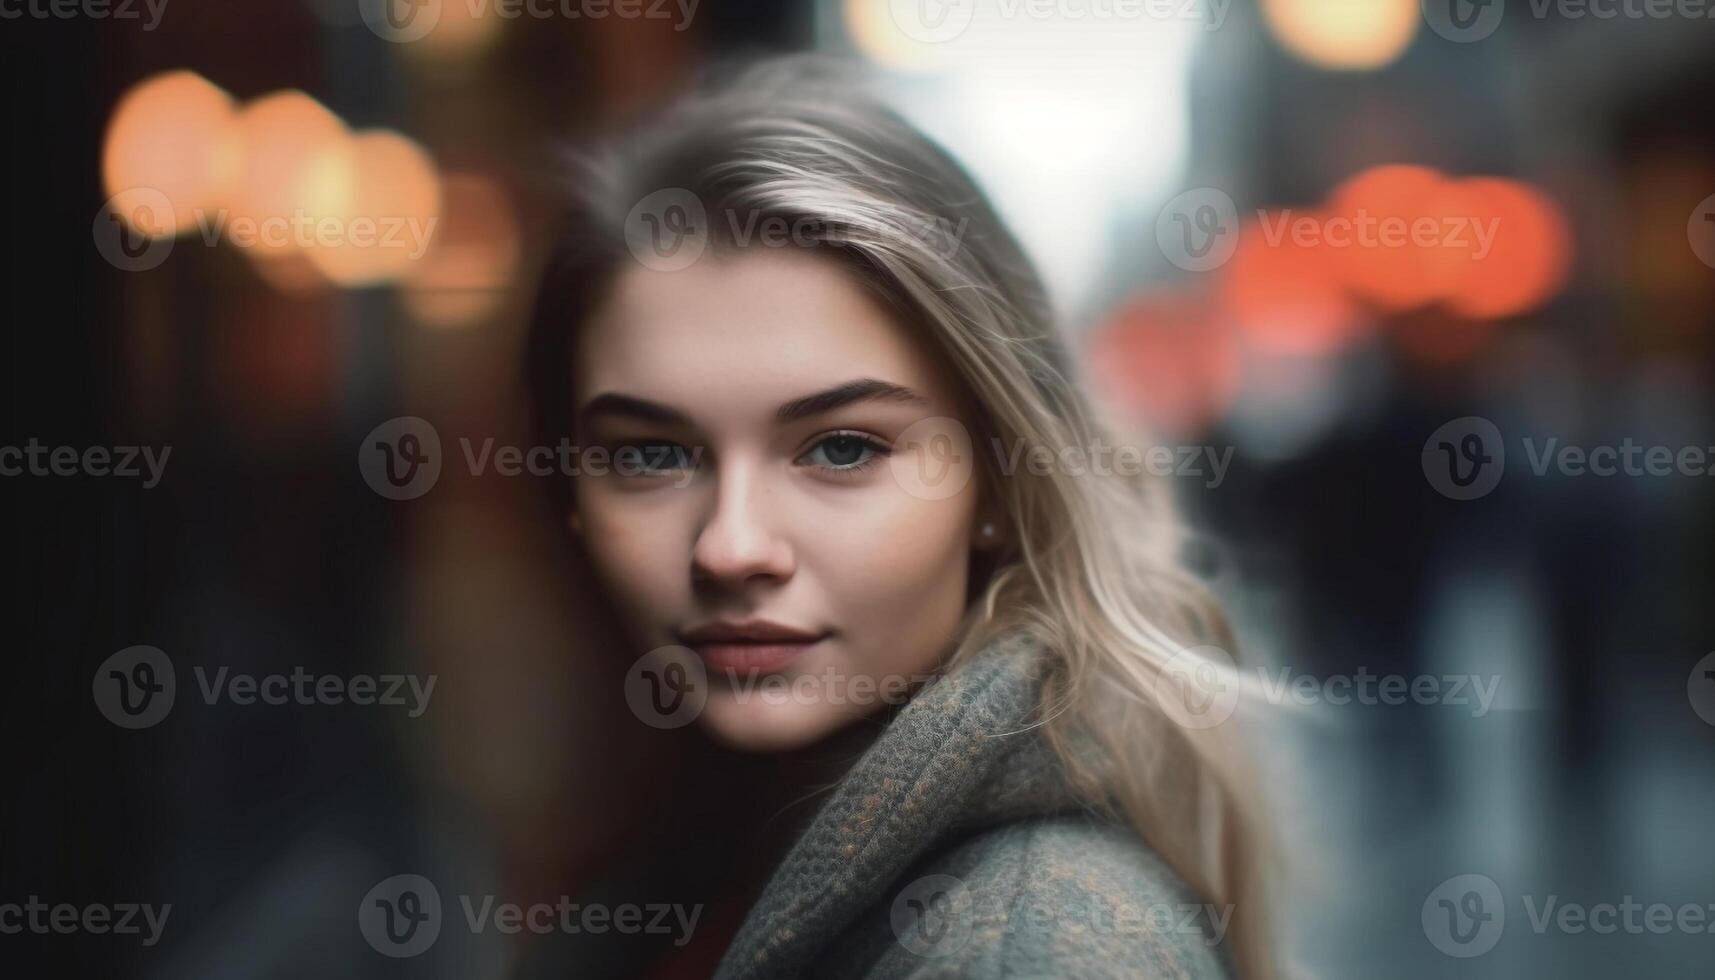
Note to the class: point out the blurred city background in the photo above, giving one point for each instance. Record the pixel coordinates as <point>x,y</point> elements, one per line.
<point>1152,156</point>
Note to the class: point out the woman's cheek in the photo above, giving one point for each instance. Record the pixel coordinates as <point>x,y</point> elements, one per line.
<point>900,583</point>
<point>911,540</point>
<point>634,559</point>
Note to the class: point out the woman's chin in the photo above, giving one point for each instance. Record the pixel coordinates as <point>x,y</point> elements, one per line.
<point>759,727</point>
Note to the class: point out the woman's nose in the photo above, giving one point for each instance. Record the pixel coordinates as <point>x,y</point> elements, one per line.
<point>742,538</point>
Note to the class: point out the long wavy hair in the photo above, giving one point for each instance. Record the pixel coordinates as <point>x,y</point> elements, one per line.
<point>1091,567</point>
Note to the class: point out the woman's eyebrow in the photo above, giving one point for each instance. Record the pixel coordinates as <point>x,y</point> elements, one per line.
<point>614,403</point>
<point>859,390</point>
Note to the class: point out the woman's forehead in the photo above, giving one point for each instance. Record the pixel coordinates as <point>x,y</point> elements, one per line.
<point>767,322</point>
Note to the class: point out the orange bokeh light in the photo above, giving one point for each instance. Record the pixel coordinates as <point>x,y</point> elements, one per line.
<point>290,173</point>
<point>172,133</point>
<point>1284,290</point>
<point>1485,247</point>
<point>1343,34</point>
<point>1169,359</point>
<point>387,205</point>
<point>462,30</point>
<point>469,270</point>
<point>1527,261</point>
<point>1387,265</point>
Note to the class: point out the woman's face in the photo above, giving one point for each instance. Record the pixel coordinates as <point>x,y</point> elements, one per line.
<point>753,407</point>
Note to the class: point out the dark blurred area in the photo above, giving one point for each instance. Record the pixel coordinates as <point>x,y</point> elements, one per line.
<point>1590,142</point>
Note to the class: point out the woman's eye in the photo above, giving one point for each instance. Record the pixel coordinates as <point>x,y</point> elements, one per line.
<point>845,452</point>
<point>650,458</point>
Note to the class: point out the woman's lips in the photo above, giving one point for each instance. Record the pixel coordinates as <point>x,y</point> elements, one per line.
<point>766,657</point>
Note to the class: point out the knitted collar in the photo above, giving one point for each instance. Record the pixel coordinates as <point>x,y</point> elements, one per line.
<point>962,754</point>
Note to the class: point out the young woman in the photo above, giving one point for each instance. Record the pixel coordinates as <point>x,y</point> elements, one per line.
<point>813,377</point>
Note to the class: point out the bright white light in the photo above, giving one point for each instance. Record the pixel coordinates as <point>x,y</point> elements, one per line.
<point>1069,113</point>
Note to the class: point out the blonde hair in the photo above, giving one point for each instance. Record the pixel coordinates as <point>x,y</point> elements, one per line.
<point>1091,567</point>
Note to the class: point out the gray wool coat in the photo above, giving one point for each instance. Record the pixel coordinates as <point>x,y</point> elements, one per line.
<point>955,848</point>
<point>951,847</point>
